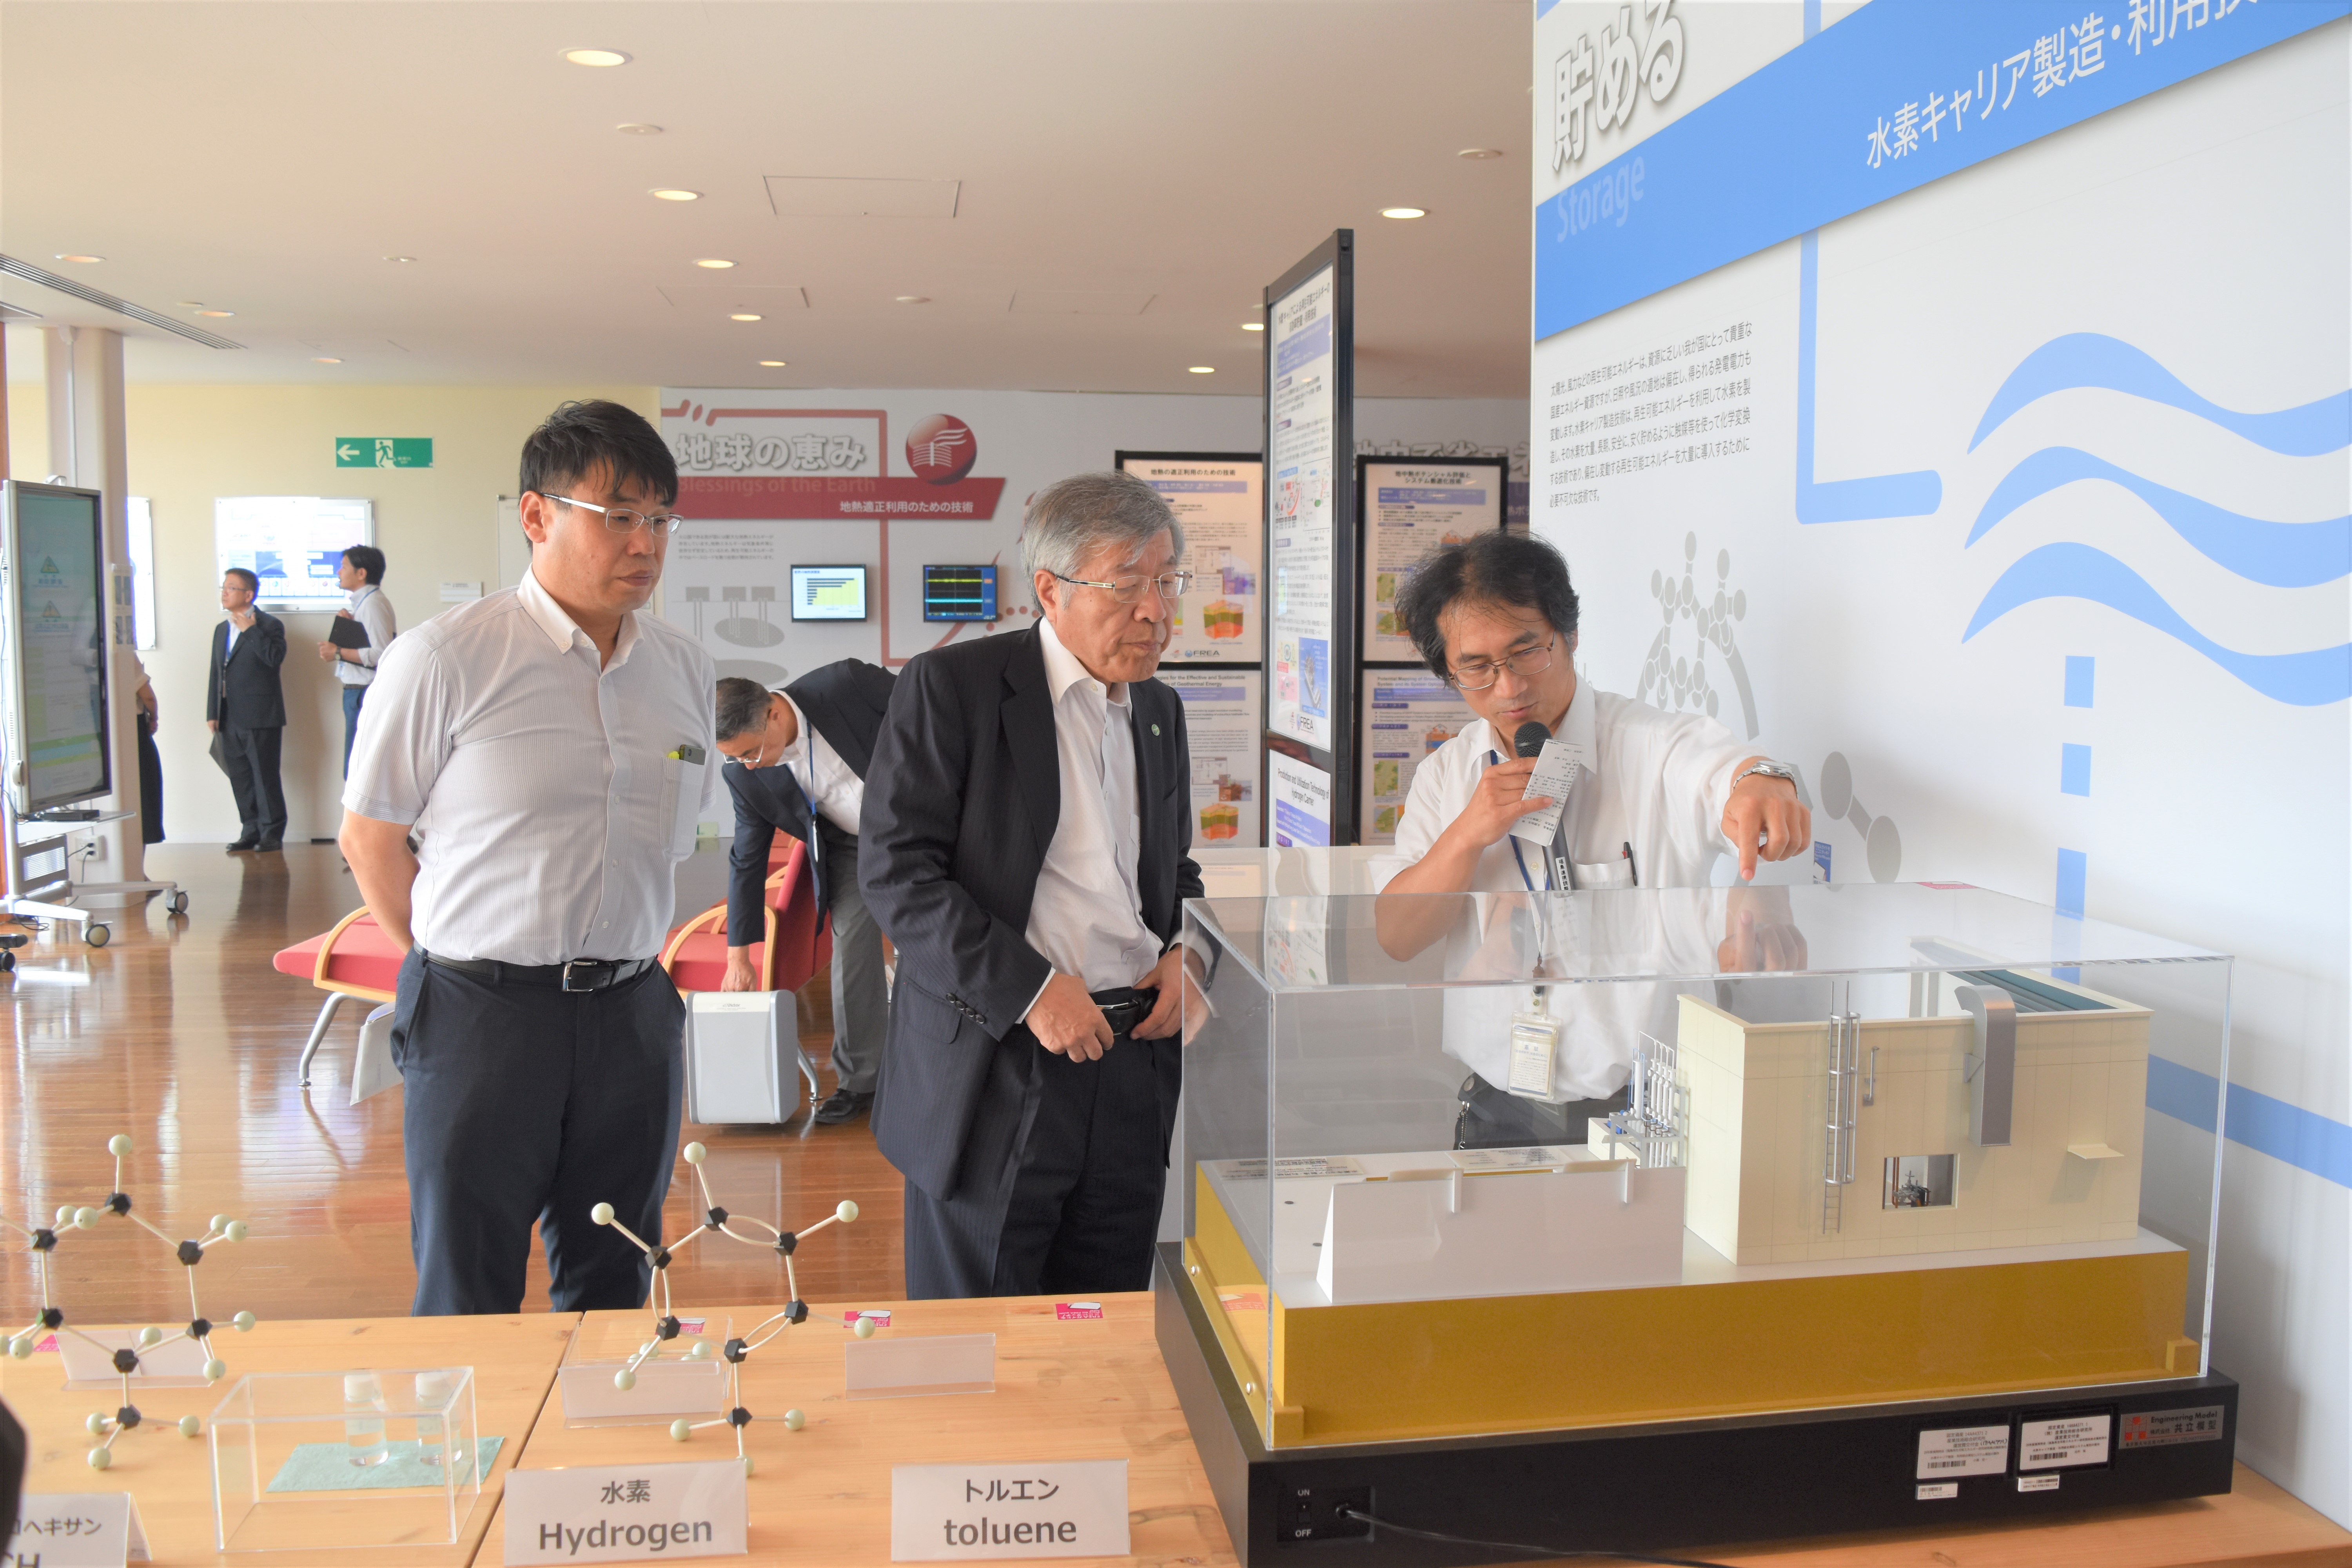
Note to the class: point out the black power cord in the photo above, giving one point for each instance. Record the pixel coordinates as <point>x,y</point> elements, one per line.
<point>1519,1547</point>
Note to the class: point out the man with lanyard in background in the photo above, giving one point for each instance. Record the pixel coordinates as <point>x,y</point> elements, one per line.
<point>1655,799</point>
<point>360,575</point>
<point>803,753</point>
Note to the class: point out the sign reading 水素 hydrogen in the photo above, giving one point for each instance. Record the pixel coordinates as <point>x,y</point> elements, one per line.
<point>626,1513</point>
<point>384,451</point>
<point>950,1512</point>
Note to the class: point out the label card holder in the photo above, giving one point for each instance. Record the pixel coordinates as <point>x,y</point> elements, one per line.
<point>919,1365</point>
<point>626,1513</point>
<point>943,1513</point>
<point>76,1529</point>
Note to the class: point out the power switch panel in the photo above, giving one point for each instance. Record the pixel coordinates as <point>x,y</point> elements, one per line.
<point>1313,1513</point>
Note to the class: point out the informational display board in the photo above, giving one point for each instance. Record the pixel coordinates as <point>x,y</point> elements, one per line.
<point>828,592</point>
<point>56,611</point>
<point>293,543</point>
<point>1408,714</point>
<point>1408,511</point>
<point>1301,793</point>
<point>1219,498</point>
<point>1220,718</point>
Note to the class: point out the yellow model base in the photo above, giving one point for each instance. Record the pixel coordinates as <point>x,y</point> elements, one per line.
<point>1590,1358</point>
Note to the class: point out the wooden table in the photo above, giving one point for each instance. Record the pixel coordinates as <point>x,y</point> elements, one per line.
<point>514,1361</point>
<point>1089,1389</point>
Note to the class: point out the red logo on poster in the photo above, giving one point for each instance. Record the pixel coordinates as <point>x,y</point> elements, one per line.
<point>941,449</point>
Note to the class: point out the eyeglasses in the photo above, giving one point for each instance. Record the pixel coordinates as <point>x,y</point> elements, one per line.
<point>1480,673</point>
<point>622,519</point>
<point>1127,590</point>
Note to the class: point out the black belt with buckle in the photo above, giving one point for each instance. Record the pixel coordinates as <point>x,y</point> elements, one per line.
<point>1125,1007</point>
<point>579,974</point>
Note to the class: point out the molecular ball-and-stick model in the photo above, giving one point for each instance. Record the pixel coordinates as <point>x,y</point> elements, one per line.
<point>738,1348</point>
<point>44,1239</point>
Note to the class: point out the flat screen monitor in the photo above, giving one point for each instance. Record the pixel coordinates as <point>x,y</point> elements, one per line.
<point>960,592</point>
<point>828,592</point>
<point>56,610</point>
<point>292,545</point>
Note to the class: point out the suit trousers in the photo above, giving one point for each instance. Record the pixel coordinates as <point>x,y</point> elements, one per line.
<point>861,995</point>
<point>1059,1189</point>
<point>527,1104</point>
<point>253,777</point>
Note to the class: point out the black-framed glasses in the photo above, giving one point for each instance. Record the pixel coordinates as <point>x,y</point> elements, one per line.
<point>1482,673</point>
<point>1172,585</point>
<point>627,520</point>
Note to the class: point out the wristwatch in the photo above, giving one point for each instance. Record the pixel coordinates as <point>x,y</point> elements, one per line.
<point>1769,769</point>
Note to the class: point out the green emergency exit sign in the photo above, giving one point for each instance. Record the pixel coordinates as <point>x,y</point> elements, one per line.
<point>384,451</point>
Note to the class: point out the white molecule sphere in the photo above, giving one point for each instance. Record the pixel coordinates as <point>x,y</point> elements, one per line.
<point>601,1214</point>
<point>118,1145</point>
<point>21,1346</point>
<point>865,1328</point>
<point>694,1153</point>
<point>65,1215</point>
<point>625,1379</point>
<point>680,1430</point>
<point>846,1212</point>
<point>702,1351</point>
<point>100,1457</point>
<point>234,1230</point>
<point>85,1219</point>
<point>214,1370</point>
<point>190,1425</point>
<point>220,1222</point>
<point>747,1465</point>
<point>95,1426</point>
<point>149,1338</point>
<point>794,1420</point>
<point>242,1323</point>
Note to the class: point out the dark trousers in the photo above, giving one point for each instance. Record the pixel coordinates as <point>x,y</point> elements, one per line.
<point>1491,1117</point>
<point>526,1103</point>
<point>1059,1189</point>
<point>252,760</point>
<point>861,994</point>
<point>354,696</point>
<point>151,783</point>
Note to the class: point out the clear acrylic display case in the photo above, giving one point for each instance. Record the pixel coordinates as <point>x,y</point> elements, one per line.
<point>1891,1142</point>
<point>315,1460</point>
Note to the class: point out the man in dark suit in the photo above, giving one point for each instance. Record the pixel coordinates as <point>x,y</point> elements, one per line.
<point>1028,846</point>
<point>246,706</point>
<point>803,753</point>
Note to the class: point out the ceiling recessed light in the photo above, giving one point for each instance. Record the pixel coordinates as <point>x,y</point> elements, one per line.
<point>595,56</point>
<point>913,299</point>
<point>1404,212</point>
<point>1479,153</point>
<point>325,359</point>
<point>400,258</point>
<point>1252,326</point>
<point>666,195</point>
<point>63,255</point>
<point>1201,369</point>
<point>772,363</point>
<point>215,312</point>
<point>637,128</point>
<point>715,263</point>
<point>744,316</point>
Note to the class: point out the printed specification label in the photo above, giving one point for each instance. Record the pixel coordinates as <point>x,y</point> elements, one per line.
<point>2066,1441</point>
<point>1952,1451</point>
<point>2161,1428</point>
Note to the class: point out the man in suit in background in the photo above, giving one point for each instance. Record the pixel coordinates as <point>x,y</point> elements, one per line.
<point>1027,845</point>
<point>245,705</point>
<point>803,753</point>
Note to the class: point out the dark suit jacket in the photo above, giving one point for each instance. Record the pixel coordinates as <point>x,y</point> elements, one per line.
<point>244,692</point>
<point>961,803</point>
<point>844,703</point>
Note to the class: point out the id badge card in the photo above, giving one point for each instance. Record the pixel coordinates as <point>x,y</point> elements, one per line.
<point>1535,1039</point>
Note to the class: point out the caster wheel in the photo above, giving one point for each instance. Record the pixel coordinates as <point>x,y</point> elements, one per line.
<point>8,961</point>
<point>176,903</point>
<point>97,936</point>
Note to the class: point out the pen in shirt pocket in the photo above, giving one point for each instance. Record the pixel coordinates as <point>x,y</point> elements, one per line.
<point>687,752</point>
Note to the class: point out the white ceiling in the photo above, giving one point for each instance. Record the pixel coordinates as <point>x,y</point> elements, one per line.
<point>265,158</point>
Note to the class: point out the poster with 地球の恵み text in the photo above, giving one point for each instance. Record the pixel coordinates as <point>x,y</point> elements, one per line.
<point>1302,533</point>
<point>1221,507</point>
<point>1408,715</point>
<point>1411,511</point>
<point>1220,731</point>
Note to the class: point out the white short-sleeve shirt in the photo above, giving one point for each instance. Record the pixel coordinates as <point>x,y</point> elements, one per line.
<point>543,787</point>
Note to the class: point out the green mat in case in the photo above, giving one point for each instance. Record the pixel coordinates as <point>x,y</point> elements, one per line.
<point>327,1467</point>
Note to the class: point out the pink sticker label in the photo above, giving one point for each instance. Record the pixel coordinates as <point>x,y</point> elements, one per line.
<point>881,1320</point>
<point>690,1325</point>
<point>1241,1300</point>
<point>48,1343</point>
<point>1065,1310</point>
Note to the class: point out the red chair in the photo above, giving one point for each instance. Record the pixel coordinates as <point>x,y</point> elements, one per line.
<point>354,958</point>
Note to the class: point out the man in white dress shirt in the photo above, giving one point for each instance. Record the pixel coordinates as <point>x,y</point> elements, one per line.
<point>1656,798</point>
<point>1027,842</point>
<point>360,575</point>
<point>548,745</point>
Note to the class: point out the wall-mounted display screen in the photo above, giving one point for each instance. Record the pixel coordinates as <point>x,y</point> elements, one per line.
<point>292,543</point>
<point>960,592</point>
<point>828,592</point>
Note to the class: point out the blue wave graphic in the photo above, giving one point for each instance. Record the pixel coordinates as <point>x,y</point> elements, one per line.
<point>2078,572</point>
<point>2276,554</point>
<point>2096,360</point>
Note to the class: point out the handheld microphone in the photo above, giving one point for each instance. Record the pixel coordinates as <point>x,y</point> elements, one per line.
<point>1528,740</point>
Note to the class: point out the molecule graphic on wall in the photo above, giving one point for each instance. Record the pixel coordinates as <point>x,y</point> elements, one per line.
<point>1675,681</point>
<point>125,1359</point>
<point>666,1325</point>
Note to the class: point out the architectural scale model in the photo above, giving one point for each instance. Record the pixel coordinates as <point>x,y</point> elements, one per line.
<point>125,1359</point>
<point>739,1347</point>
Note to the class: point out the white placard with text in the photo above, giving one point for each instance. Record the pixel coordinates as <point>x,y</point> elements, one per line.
<point>626,1513</point>
<point>942,1513</point>
<point>76,1530</point>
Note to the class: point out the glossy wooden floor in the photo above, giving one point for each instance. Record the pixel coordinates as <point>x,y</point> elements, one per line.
<point>180,1034</point>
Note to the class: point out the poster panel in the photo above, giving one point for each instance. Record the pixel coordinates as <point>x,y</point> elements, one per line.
<point>1221,713</point>
<point>1408,714</point>
<point>1303,531</point>
<point>1301,793</point>
<point>1220,501</point>
<point>292,543</point>
<point>1411,511</point>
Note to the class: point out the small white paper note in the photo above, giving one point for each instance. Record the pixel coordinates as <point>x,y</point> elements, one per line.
<point>1963,1451</point>
<point>626,1513</point>
<point>76,1529</point>
<point>923,1364</point>
<point>2068,1440</point>
<point>1554,776</point>
<point>179,1364</point>
<point>942,1513</point>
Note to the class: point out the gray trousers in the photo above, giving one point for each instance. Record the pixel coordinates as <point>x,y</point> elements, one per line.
<point>861,998</point>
